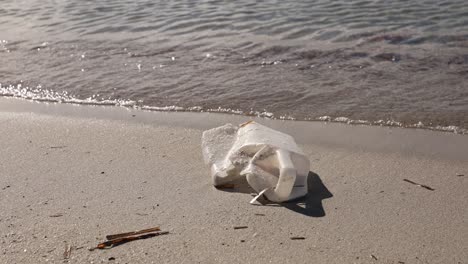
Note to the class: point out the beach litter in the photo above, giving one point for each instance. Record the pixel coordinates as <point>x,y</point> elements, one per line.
<point>420,185</point>
<point>122,238</point>
<point>274,166</point>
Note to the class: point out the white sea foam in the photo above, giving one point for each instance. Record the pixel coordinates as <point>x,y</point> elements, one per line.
<point>324,118</point>
<point>341,119</point>
<point>171,108</point>
<point>390,123</point>
<point>45,95</point>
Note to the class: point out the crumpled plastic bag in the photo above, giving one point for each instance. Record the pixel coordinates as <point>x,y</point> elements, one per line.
<point>271,161</point>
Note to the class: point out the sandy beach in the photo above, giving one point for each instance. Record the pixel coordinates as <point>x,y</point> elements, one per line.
<point>70,175</point>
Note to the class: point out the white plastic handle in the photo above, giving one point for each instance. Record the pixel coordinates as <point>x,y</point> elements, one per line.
<point>257,177</point>
<point>286,179</point>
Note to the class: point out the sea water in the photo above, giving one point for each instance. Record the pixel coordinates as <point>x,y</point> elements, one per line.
<point>401,63</point>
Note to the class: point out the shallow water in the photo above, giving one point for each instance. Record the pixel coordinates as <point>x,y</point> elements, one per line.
<point>390,62</point>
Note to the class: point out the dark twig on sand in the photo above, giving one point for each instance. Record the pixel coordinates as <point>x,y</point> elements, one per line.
<point>56,215</point>
<point>134,233</point>
<point>119,241</point>
<point>240,227</point>
<point>420,185</point>
<point>297,238</point>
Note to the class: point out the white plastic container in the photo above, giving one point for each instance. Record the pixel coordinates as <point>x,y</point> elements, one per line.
<point>270,160</point>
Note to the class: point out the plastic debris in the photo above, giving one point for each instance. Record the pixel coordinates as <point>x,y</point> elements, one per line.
<point>260,194</point>
<point>271,161</point>
<point>420,185</point>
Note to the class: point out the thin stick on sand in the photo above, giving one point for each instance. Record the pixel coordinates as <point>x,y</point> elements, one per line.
<point>420,185</point>
<point>134,233</point>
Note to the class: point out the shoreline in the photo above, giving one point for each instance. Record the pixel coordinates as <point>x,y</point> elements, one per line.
<point>70,175</point>
<point>17,93</point>
<point>364,137</point>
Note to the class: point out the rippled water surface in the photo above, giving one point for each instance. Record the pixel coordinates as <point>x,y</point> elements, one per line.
<point>403,61</point>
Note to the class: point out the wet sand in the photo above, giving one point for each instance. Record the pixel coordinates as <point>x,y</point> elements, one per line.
<point>70,175</point>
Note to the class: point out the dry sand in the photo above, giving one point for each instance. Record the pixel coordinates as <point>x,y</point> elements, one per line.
<point>69,175</point>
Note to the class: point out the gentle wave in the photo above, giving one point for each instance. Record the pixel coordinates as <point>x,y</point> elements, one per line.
<point>365,60</point>
<point>299,19</point>
<point>43,95</point>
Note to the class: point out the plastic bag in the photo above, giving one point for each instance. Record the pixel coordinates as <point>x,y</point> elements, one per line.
<point>270,160</point>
